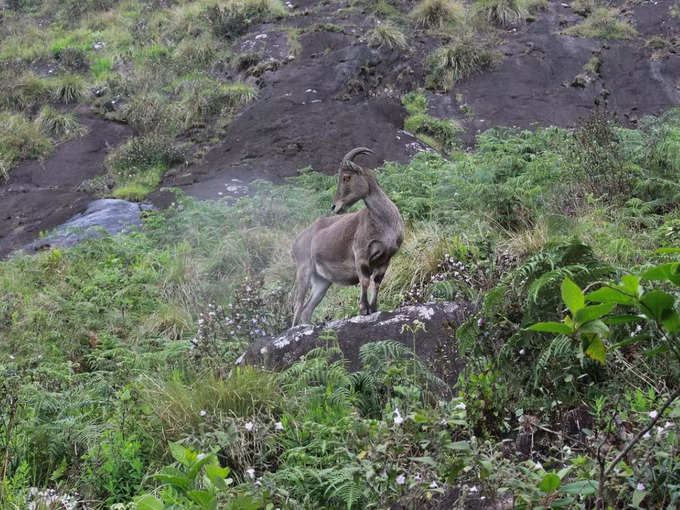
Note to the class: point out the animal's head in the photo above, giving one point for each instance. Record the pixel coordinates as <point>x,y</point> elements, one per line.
<point>353,182</point>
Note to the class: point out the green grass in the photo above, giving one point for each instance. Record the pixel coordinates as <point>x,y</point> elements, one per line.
<point>439,14</point>
<point>602,23</point>
<point>457,61</point>
<point>440,134</point>
<point>20,139</point>
<point>387,35</point>
<point>507,13</point>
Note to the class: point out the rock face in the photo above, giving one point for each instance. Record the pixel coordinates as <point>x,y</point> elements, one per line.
<point>436,344</point>
<point>101,216</point>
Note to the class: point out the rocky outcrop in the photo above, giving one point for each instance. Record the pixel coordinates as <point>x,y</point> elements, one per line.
<point>434,342</point>
<point>104,216</point>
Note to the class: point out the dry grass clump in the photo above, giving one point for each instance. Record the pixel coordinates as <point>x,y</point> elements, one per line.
<point>387,35</point>
<point>438,14</point>
<point>602,24</point>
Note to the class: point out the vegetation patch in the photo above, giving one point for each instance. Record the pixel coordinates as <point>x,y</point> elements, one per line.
<point>439,14</point>
<point>440,134</point>
<point>457,61</point>
<point>388,35</point>
<point>20,139</point>
<point>602,23</point>
<point>507,13</point>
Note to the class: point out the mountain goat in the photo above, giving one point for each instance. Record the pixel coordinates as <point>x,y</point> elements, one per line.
<point>349,248</point>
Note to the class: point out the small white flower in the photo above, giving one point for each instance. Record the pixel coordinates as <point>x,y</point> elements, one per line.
<point>433,485</point>
<point>646,435</point>
<point>668,424</point>
<point>11,356</point>
<point>398,419</point>
<point>203,413</point>
<point>401,480</point>
<point>250,472</point>
<point>538,465</point>
<point>641,487</point>
<point>278,425</point>
<point>653,414</point>
<point>460,406</point>
<point>200,456</point>
<point>474,488</point>
<point>383,474</point>
<point>522,352</point>
<point>443,421</point>
<point>249,426</point>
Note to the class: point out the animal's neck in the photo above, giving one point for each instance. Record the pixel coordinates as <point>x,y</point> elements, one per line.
<point>379,205</point>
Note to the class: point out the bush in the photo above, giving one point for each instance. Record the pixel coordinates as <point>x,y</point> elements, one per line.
<point>387,35</point>
<point>233,19</point>
<point>62,126</point>
<point>457,61</point>
<point>602,24</point>
<point>68,88</point>
<point>20,139</point>
<point>142,153</point>
<point>438,13</point>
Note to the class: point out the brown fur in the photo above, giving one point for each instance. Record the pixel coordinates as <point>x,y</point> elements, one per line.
<point>350,248</point>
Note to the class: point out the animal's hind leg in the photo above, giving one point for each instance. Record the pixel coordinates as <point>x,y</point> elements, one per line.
<point>301,288</point>
<point>319,288</point>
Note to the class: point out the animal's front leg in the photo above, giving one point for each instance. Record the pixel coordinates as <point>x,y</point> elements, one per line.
<point>376,279</point>
<point>363,300</point>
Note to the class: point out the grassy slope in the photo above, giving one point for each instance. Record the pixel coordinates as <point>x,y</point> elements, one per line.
<point>97,340</point>
<point>112,349</point>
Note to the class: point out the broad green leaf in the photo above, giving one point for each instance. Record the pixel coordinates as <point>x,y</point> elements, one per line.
<point>551,327</point>
<point>596,327</point>
<point>462,446</point>
<point>196,467</point>
<point>174,477</point>
<point>217,474</point>
<point>610,295</point>
<point>590,313</point>
<point>149,502</point>
<point>661,251</point>
<point>631,340</point>
<point>424,460</point>
<point>657,302</point>
<point>631,284</point>
<point>658,350</point>
<point>562,503</point>
<point>572,296</point>
<point>669,271</point>
<point>671,321</point>
<point>638,496</point>
<point>204,499</point>
<point>582,487</point>
<point>550,483</point>
<point>178,452</point>
<point>596,350</point>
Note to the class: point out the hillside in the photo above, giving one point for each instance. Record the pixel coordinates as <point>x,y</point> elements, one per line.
<point>527,349</point>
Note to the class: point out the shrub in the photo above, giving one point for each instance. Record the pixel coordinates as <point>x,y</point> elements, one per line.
<point>26,93</point>
<point>457,61</point>
<point>438,13</point>
<point>20,139</point>
<point>233,19</point>
<point>602,24</point>
<point>388,35</point>
<point>205,97</point>
<point>150,112</point>
<point>68,88</point>
<point>62,126</point>
<point>142,153</point>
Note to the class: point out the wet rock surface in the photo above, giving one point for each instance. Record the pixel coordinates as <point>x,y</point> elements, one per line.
<point>435,344</point>
<point>104,216</point>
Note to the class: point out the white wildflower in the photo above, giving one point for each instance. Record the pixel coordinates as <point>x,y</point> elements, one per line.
<point>278,425</point>
<point>250,472</point>
<point>401,480</point>
<point>641,487</point>
<point>202,413</point>
<point>522,352</point>
<point>474,488</point>
<point>653,414</point>
<point>249,426</point>
<point>538,465</point>
<point>398,419</point>
<point>433,485</point>
<point>646,435</point>
<point>460,406</point>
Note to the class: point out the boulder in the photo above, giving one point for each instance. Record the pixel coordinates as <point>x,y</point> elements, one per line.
<point>434,342</point>
<point>101,217</point>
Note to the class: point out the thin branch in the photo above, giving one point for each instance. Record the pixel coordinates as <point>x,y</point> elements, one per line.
<point>639,435</point>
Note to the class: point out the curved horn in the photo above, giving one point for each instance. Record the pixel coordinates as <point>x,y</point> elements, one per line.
<point>347,159</point>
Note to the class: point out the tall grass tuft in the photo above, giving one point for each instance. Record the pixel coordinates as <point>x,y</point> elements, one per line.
<point>62,126</point>
<point>438,14</point>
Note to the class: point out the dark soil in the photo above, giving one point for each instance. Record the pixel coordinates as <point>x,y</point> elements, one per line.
<point>40,196</point>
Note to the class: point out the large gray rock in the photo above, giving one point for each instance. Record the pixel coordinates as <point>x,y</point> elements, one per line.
<point>102,216</point>
<point>436,344</point>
